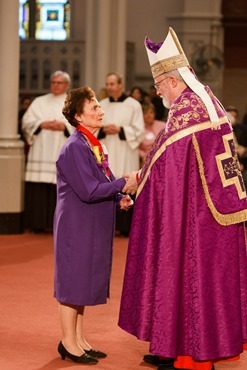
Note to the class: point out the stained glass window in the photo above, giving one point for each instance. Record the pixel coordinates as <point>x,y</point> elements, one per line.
<point>44,19</point>
<point>23,19</point>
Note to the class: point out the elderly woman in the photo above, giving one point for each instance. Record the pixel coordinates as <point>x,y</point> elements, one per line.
<point>87,194</point>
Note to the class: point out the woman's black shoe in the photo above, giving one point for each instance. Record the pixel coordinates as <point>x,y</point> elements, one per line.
<point>94,353</point>
<point>84,359</point>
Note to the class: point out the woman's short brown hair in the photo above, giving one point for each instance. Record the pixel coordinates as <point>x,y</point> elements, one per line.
<point>147,107</point>
<point>75,101</point>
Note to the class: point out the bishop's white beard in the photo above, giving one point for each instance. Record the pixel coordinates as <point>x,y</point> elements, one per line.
<point>166,102</point>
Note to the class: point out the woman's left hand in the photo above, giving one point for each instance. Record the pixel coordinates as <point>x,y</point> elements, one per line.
<point>126,203</point>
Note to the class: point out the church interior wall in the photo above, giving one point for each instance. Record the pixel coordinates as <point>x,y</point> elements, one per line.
<point>196,23</point>
<point>153,16</point>
<point>78,19</point>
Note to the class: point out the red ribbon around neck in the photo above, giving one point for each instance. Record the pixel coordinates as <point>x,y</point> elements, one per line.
<point>97,149</point>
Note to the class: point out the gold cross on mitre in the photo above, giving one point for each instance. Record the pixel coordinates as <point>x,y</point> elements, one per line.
<point>229,168</point>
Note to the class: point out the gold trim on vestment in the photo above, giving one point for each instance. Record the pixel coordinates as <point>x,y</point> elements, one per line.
<point>222,219</point>
<point>172,139</point>
<point>232,167</point>
<point>168,64</point>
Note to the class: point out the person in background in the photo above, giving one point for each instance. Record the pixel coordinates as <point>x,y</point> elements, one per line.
<point>240,136</point>
<point>187,245</point>
<point>24,104</point>
<point>152,128</point>
<point>137,93</point>
<point>147,100</point>
<point>160,110</point>
<point>45,130</point>
<point>245,119</point>
<point>87,196</point>
<point>122,133</point>
<point>240,130</point>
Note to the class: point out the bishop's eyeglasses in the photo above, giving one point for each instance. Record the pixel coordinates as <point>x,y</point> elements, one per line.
<point>157,85</point>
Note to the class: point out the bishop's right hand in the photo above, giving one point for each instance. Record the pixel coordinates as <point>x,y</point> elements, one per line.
<point>131,183</point>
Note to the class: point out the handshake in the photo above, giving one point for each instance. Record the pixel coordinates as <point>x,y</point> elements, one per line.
<point>131,183</point>
<point>129,188</point>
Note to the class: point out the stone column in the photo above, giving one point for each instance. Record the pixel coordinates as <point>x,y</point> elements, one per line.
<point>119,50</point>
<point>103,43</point>
<point>105,40</point>
<point>11,148</point>
<point>90,44</point>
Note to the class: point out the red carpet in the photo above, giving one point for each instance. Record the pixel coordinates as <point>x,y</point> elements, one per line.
<point>29,325</point>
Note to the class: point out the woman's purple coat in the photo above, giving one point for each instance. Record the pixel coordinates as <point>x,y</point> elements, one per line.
<point>84,224</point>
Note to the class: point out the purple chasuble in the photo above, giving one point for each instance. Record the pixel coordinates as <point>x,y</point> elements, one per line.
<point>185,283</point>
